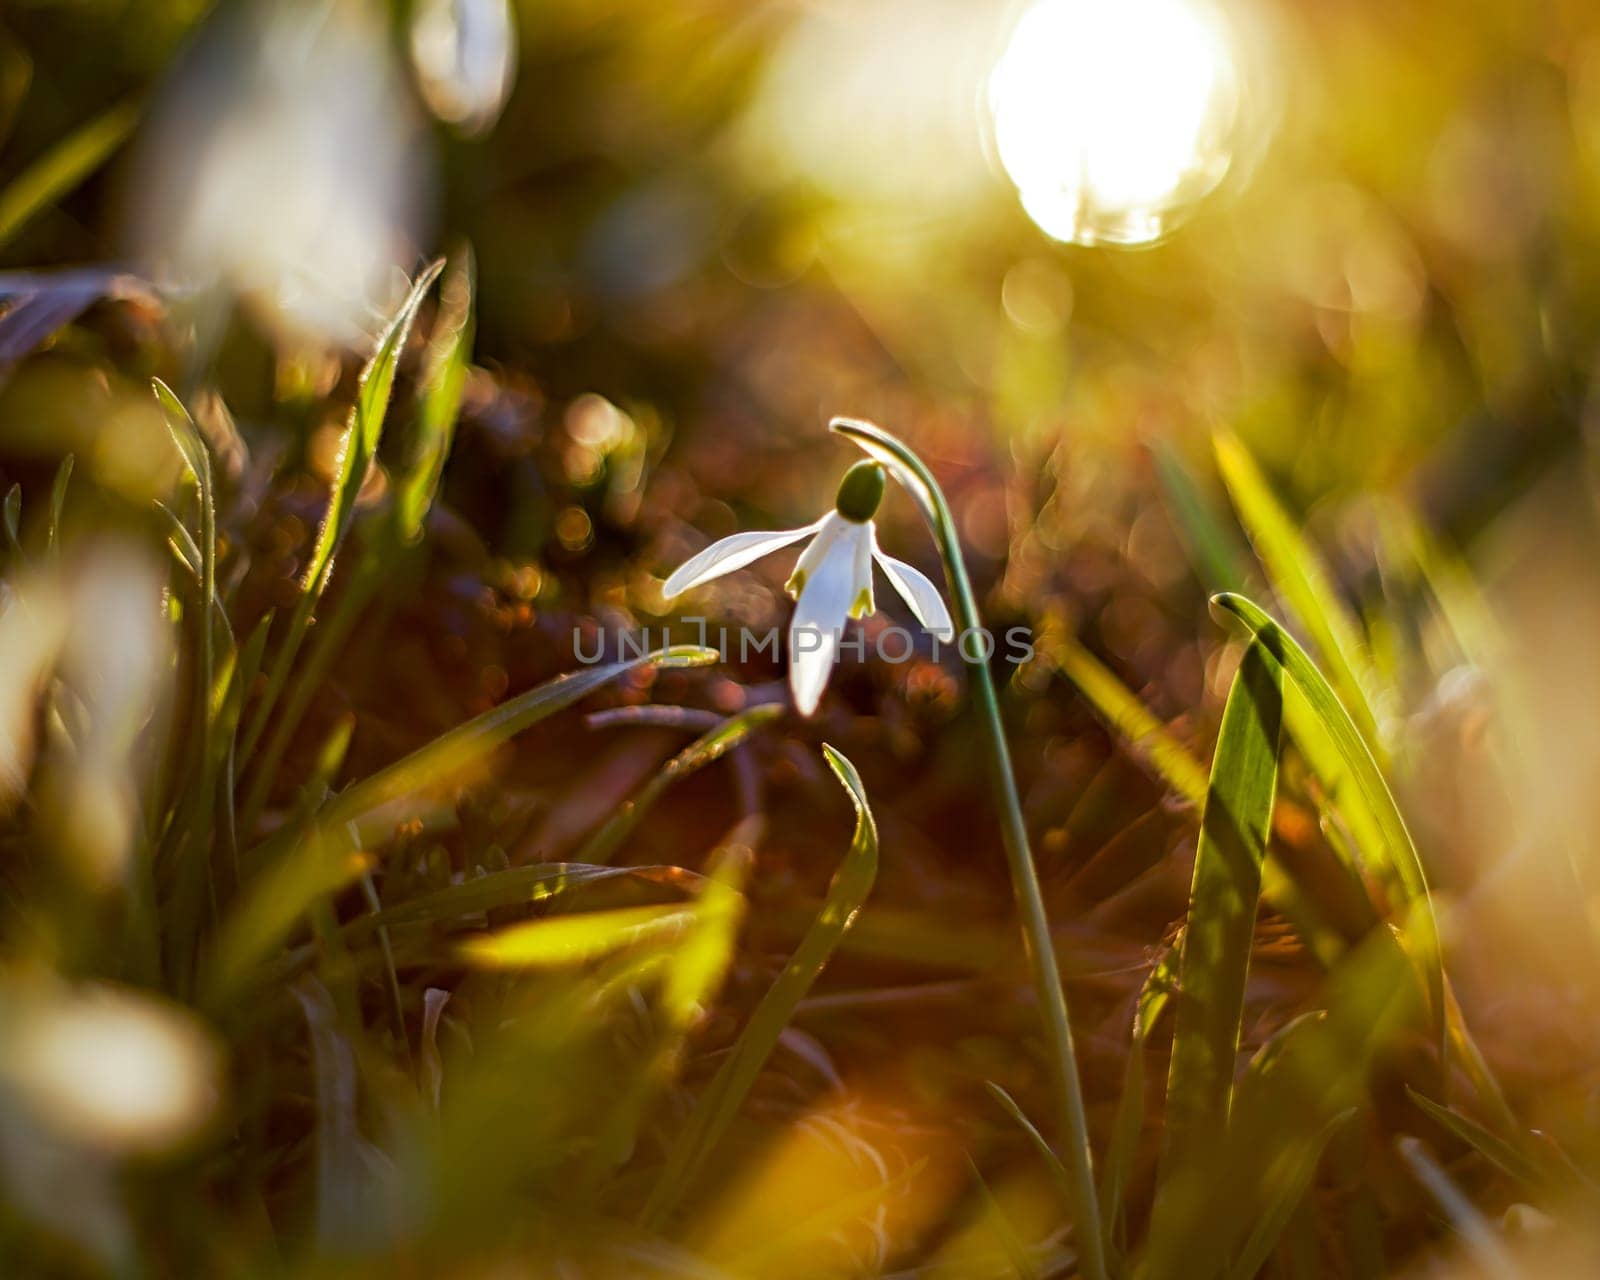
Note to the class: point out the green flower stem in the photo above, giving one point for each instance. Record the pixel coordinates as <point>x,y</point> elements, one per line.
<point>918,480</point>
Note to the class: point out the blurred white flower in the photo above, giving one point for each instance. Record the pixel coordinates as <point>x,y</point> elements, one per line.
<point>282,164</point>
<point>832,580</point>
<point>108,1067</point>
<point>465,55</point>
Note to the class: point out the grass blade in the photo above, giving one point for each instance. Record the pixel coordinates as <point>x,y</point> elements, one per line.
<point>301,866</point>
<point>1301,581</point>
<point>457,751</point>
<point>719,1103</point>
<point>1311,1072</point>
<point>1372,790</point>
<point>1286,1193</point>
<point>519,886</point>
<point>1145,735</point>
<point>1052,1162</point>
<point>1551,1181</point>
<point>1214,545</point>
<point>439,404</point>
<point>415,486</point>
<point>1128,1123</point>
<point>356,454</point>
<point>576,939</point>
<point>1215,955</point>
<point>709,747</point>
<point>63,167</point>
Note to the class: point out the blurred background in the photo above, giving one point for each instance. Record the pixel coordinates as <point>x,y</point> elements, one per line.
<point>1057,246</point>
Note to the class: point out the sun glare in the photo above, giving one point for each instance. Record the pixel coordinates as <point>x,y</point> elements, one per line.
<point>1114,116</point>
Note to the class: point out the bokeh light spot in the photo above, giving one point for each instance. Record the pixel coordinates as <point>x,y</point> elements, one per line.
<point>1112,118</point>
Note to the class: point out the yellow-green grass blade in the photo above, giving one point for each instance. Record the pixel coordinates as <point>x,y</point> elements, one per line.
<point>1150,741</point>
<point>692,974</point>
<point>1371,790</point>
<point>709,747</point>
<point>1285,1196</point>
<point>1552,1180</point>
<point>1145,735</point>
<point>717,1106</point>
<point>63,167</point>
<point>197,465</point>
<point>356,453</point>
<point>1302,583</point>
<point>415,486</point>
<point>444,381</point>
<point>517,886</point>
<point>1214,958</point>
<point>306,863</point>
<point>362,806</point>
<point>1052,1162</point>
<point>1218,556</point>
<point>560,941</point>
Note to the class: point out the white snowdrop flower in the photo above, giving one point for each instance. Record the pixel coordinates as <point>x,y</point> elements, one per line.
<point>282,165</point>
<point>832,580</point>
<point>465,55</point>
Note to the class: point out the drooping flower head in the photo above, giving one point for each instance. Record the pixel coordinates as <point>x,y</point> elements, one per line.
<point>831,582</point>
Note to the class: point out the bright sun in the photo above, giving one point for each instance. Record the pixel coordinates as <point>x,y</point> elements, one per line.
<point>1111,116</point>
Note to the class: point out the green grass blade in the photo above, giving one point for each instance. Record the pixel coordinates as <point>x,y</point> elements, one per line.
<point>709,747</point>
<point>328,641</point>
<point>300,866</point>
<point>1301,581</point>
<point>716,1107</point>
<point>1215,955</point>
<point>1286,1196</point>
<point>439,403</point>
<point>1311,1071</point>
<point>1128,1122</point>
<point>1547,1179</point>
<point>560,941</point>
<point>1372,790</point>
<point>197,462</point>
<point>63,167</point>
<point>1214,546</point>
<point>460,749</point>
<point>1052,1162</point>
<point>1149,739</point>
<point>518,886</point>
<point>356,454</point>
<point>1419,928</point>
<point>693,973</point>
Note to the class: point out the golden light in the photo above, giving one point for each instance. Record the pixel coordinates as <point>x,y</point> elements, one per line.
<point>1113,117</point>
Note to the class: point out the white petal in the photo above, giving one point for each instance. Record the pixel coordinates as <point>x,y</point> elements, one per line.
<point>918,591</point>
<point>862,604</point>
<point>828,528</point>
<point>729,554</point>
<point>819,618</point>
